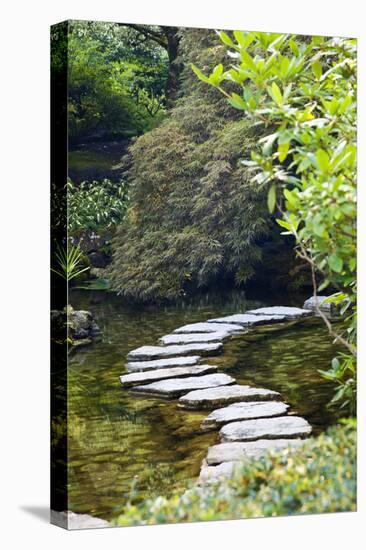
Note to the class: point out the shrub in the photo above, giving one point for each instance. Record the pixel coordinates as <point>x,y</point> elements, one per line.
<point>195,216</point>
<point>92,206</point>
<point>319,477</point>
<point>302,92</point>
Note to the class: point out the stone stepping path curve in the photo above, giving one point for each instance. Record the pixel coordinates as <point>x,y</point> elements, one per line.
<point>173,387</point>
<point>244,411</point>
<point>250,421</point>
<point>137,378</point>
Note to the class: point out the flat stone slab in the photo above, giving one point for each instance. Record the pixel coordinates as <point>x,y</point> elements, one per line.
<point>141,366</point>
<point>247,320</point>
<point>144,353</point>
<point>288,312</point>
<point>244,411</point>
<point>137,378</point>
<point>200,337</point>
<point>213,474</point>
<point>71,521</point>
<point>173,387</point>
<point>205,399</point>
<point>241,450</point>
<point>266,428</point>
<point>210,326</point>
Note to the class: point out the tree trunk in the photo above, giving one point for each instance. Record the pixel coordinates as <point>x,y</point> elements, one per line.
<point>172,84</point>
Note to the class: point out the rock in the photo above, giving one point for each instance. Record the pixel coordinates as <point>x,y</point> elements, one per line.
<point>209,327</point>
<point>246,320</point>
<point>193,338</point>
<point>326,307</point>
<point>266,428</point>
<point>98,259</point>
<point>144,353</point>
<point>177,386</point>
<point>244,411</point>
<point>205,399</point>
<point>81,324</point>
<point>141,366</point>
<point>137,378</point>
<point>71,521</point>
<point>241,450</point>
<point>213,474</point>
<point>288,312</point>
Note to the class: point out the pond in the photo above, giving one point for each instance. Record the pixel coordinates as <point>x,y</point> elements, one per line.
<point>122,446</point>
<point>96,160</point>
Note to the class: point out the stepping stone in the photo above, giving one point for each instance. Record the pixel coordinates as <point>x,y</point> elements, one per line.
<point>205,399</point>
<point>208,327</point>
<point>194,338</point>
<point>70,520</point>
<point>174,387</point>
<point>229,452</point>
<point>144,353</point>
<point>244,411</point>
<point>213,474</point>
<point>136,378</point>
<point>140,366</point>
<point>247,320</point>
<point>288,312</point>
<point>266,428</point>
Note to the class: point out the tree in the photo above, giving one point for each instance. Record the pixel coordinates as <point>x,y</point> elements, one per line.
<point>302,92</point>
<point>116,83</point>
<point>169,39</point>
<point>194,217</point>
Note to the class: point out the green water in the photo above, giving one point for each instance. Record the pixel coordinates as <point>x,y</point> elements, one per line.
<point>126,447</point>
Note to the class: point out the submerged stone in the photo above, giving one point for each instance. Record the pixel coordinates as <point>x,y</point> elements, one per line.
<point>247,320</point>
<point>241,450</point>
<point>174,387</point>
<point>144,353</point>
<point>210,326</point>
<point>193,338</point>
<point>266,428</point>
<point>134,379</point>
<point>141,366</point>
<point>244,411</point>
<point>205,399</point>
<point>288,312</point>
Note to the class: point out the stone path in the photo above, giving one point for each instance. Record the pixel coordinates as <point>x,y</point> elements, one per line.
<point>250,421</point>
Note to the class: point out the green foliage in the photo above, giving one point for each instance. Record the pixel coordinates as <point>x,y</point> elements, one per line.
<point>116,82</point>
<point>69,262</point>
<point>95,206</point>
<point>303,92</point>
<point>194,214</point>
<point>318,477</point>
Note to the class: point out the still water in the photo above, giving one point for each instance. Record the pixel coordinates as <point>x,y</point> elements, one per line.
<point>123,447</point>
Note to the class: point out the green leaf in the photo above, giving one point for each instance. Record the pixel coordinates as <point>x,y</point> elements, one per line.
<point>225,38</point>
<point>276,94</point>
<point>271,198</point>
<point>316,67</point>
<point>283,149</point>
<point>248,61</point>
<point>335,263</point>
<point>322,159</point>
<point>237,102</point>
<point>284,224</point>
<point>199,73</point>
